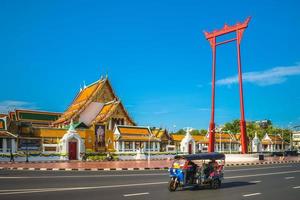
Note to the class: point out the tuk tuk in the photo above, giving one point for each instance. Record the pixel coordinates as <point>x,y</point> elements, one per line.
<point>195,170</point>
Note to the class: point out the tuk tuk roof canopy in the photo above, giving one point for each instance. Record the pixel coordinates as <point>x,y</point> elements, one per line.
<point>202,156</point>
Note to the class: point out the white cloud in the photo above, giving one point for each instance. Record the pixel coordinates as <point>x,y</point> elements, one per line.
<point>9,105</point>
<point>203,109</point>
<point>272,76</point>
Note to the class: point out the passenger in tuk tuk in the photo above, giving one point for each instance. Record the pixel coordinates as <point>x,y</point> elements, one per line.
<point>191,171</point>
<point>209,168</point>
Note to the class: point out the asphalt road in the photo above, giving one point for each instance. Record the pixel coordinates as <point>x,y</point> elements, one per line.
<point>248,182</point>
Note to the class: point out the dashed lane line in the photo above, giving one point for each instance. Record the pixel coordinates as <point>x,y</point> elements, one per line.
<point>253,194</point>
<point>257,168</point>
<point>265,174</point>
<point>289,177</point>
<point>254,181</point>
<point>135,194</point>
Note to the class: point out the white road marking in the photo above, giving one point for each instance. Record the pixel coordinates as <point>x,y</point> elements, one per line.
<point>290,177</point>
<point>297,187</point>
<point>265,174</point>
<point>254,181</point>
<point>136,194</point>
<point>256,168</point>
<point>79,176</point>
<point>24,191</point>
<point>253,194</point>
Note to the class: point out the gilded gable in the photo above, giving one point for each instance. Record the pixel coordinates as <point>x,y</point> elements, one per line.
<point>105,95</point>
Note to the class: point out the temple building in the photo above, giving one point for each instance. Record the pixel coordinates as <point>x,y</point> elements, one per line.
<point>29,126</point>
<point>224,142</point>
<point>135,138</point>
<point>99,121</point>
<point>273,143</point>
<point>164,137</point>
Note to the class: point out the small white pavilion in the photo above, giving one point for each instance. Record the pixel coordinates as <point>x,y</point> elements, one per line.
<point>72,145</point>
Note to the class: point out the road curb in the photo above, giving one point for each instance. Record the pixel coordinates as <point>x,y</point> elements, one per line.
<point>136,169</point>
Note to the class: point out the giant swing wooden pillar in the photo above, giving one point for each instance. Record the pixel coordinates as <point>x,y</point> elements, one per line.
<point>212,38</point>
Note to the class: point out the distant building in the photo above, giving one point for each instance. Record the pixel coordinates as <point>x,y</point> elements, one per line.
<point>273,143</point>
<point>224,142</point>
<point>263,123</point>
<point>296,140</point>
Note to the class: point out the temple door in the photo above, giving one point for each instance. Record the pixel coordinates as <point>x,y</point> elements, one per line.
<point>72,150</point>
<point>190,148</point>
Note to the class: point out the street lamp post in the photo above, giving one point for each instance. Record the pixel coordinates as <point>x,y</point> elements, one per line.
<point>291,142</point>
<point>149,150</point>
<point>282,140</point>
<point>220,142</point>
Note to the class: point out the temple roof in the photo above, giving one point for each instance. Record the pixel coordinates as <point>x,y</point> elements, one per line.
<point>197,138</point>
<point>160,133</point>
<point>34,115</point>
<point>88,95</point>
<point>272,139</point>
<point>134,133</point>
<point>107,110</point>
<point>82,98</point>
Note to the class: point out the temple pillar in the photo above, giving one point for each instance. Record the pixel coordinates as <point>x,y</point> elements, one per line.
<point>133,146</point>
<point>123,146</point>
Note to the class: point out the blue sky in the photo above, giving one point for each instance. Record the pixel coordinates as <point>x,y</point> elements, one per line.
<point>155,55</point>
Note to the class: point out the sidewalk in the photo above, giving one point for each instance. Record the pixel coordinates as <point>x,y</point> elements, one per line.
<point>123,165</point>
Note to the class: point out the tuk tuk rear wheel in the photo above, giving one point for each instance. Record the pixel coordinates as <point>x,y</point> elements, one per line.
<point>172,185</point>
<point>215,184</point>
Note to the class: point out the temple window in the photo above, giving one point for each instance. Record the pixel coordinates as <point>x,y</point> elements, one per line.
<point>137,145</point>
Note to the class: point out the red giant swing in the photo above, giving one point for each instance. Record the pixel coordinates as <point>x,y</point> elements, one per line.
<point>211,37</point>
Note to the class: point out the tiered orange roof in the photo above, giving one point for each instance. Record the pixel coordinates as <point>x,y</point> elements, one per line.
<point>88,95</point>
<point>160,133</point>
<point>134,133</point>
<point>225,138</point>
<point>82,98</point>
<point>106,111</point>
<point>198,138</point>
<point>274,139</point>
